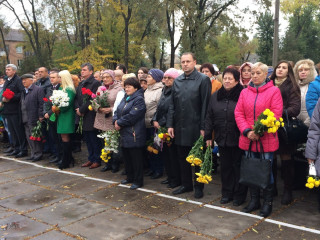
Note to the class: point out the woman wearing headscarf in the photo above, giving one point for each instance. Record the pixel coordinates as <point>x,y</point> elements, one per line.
<point>220,119</point>
<point>103,120</point>
<point>260,95</point>
<point>283,78</point>
<point>159,119</point>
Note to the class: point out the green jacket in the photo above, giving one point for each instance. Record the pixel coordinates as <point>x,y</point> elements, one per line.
<point>66,117</point>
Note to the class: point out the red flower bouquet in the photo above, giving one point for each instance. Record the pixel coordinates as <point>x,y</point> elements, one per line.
<point>86,93</point>
<point>36,133</point>
<point>8,94</point>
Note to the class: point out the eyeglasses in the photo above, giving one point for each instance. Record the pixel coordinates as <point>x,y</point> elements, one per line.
<point>169,78</point>
<point>106,77</point>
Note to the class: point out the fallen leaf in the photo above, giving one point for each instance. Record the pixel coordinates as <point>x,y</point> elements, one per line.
<point>254,230</point>
<point>154,207</point>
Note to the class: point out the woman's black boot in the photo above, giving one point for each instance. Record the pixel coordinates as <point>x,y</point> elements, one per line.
<point>267,204</point>
<point>254,203</point>
<point>66,155</point>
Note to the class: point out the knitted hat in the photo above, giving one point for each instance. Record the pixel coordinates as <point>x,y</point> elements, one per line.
<point>156,74</point>
<point>172,72</point>
<point>110,72</point>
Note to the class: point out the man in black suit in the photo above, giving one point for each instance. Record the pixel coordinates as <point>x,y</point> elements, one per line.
<point>11,111</point>
<point>32,111</point>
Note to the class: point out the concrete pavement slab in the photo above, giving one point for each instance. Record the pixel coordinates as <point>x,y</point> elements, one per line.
<point>15,188</point>
<point>5,212</point>
<point>28,171</point>
<point>17,227</point>
<point>169,232</point>
<point>159,208</point>
<point>215,223</point>
<point>267,231</point>
<point>110,225</point>
<point>66,212</point>
<point>116,196</point>
<point>29,201</point>
<point>53,235</point>
<point>52,179</point>
<point>4,178</point>
<point>9,165</point>
<point>80,186</point>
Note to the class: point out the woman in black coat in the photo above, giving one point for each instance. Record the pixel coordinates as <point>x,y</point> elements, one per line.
<point>220,119</point>
<point>169,156</point>
<point>283,78</point>
<point>129,121</point>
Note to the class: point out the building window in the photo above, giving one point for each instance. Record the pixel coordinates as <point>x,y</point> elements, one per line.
<point>19,49</point>
<point>19,62</point>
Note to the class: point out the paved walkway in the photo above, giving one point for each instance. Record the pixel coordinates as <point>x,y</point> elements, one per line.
<point>38,201</point>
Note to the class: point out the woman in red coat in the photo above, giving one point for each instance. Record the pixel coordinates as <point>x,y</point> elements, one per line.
<point>260,95</point>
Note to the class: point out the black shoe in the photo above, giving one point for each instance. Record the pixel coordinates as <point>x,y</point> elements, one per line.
<point>135,186</point>
<point>21,154</point>
<point>173,185</point>
<point>198,193</point>
<point>13,153</point>
<point>8,150</point>
<point>225,200</point>
<point>124,172</point>
<point>107,167</point>
<point>126,181</point>
<point>286,197</point>
<point>253,205</point>
<point>266,209</point>
<point>181,190</point>
<point>165,181</point>
<point>29,158</point>
<point>59,163</point>
<point>54,160</point>
<point>156,175</point>
<point>37,159</point>
<point>237,203</point>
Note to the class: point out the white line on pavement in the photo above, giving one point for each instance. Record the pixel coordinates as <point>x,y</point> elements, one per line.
<point>172,197</point>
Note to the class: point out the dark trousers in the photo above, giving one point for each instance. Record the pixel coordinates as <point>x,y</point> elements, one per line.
<point>55,139</point>
<point>133,158</point>
<point>35,146</point>
<point>94,145</point>
<point>16,130</point>
<point>155,160</point>
<point>230,159</point>
<point>171,163</point>
<point>186,170</point>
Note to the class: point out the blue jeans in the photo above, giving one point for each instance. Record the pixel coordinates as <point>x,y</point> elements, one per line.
<point>267,156</point>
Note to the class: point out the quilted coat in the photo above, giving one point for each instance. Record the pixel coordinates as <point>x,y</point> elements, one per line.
<point>252,102</point>
<point>313,95</point>
<point>313,147</point>
<point>151,97</point>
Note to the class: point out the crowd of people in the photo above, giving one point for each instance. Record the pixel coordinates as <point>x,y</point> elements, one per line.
<point>189,103</point>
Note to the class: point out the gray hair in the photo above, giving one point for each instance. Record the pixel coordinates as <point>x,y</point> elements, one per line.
<point>262,66</point>
<point>89,65</point>
<point>14,67</point>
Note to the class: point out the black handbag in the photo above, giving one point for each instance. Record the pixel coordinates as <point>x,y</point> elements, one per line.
<point>255,172</point>
<point>294,131</point>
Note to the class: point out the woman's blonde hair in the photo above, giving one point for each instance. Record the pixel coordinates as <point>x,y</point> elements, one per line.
<point>262,66</point>
<point>66,80</point>
<point>126,76</point>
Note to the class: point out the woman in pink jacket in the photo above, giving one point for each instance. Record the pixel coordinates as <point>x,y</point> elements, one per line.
<point>260,95</point>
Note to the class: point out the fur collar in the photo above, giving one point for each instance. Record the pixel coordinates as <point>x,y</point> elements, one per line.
<point>233,94</point>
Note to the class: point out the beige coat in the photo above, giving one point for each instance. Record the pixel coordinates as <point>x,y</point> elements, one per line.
<point>151,97</point>
<point>101,122</point>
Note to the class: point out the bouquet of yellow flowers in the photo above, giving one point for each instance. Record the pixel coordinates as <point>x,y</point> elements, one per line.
<point>195,156</point>
<point>266,122</point>
<point>164,136</point>
<point>204,176</point>
<point>312,180</point>
<point>111,144</point>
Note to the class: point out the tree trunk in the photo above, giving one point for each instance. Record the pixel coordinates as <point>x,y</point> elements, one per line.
<point>162,57</point>
<point>4,45</point>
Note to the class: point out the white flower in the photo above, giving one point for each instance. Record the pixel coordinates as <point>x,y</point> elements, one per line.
<point>111,139</point>
<point>60,98</point>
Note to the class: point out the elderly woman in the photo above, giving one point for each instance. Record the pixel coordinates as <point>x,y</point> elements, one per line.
<point>103,120</point>
<point>304,73</point>
<point>152,96</point>
<point>283,78</point>
<point>129,120</point>
<point>312,152</point>
<point>260,95</point>
<point>220,119</point>
<point>207,69</point>
<point>245,74</point>
<point>159,119</point>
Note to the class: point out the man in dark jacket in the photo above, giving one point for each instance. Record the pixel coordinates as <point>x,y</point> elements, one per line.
<point>82,103</point>
<point>53,138</point>
<point>190,97</point>
<point>32,111</point>
<point>11,111</point>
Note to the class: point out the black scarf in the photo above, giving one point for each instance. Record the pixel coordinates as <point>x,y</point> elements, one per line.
<point>232,94</point>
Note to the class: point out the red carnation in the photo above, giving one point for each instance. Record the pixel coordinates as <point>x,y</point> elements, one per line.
<point>30,137</point>
<point>83,91</point>
<point>98,93</point>
<point>8,94</point>
<point>38,139</point>
<point>45,99</point>
<point>88,92</point>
